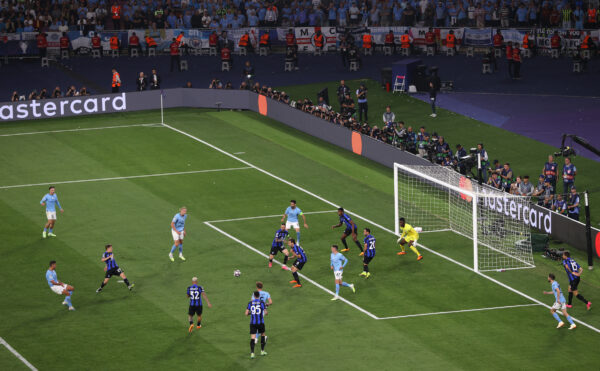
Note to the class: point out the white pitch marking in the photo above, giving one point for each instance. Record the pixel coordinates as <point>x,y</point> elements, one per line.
<point>239,153</point>
<point>460,311</point>
<point>266,216</point>
<point>17,354</point>
<point>81,129</point>
<point>300,274</point>
<point>369,221</point>
<point>125,177</point>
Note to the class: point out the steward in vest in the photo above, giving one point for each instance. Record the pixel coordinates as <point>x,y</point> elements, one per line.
<point>290,40</point>
<point>555,41</point>
<point>430,38</point>
<point>64,42</point>
<point>42,44</point>
<point>245,42</point>
<point>183,46</point>
<point>389,40</point>
<point>587,43</point>
<point>174,51</point>
<point>150,43</point>
<point>367,41</point>
<point>115,13</point>
<point>116,81</point>
<point>551,171</point>
<point>516,58</point>
<point>264,40</point>
<point>592,18</point>
<point>134,43</point>
<point>451,40</point>
<point>498,40</point>
<point>226,55</point>
<point>509,56</point>
<point>213,40</point>
<point>318,40</point>
<point>405,41</point>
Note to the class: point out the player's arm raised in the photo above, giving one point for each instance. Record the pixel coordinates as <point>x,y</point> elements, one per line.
<point>206,298</point>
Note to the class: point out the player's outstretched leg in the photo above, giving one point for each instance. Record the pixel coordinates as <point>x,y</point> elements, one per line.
<point>571,322</point>
<point>285,260</point>
<point>296,279</point>
<point>129,285</point>
<point>343,239</point>
<point>349,285</point>
<point>102,285</point>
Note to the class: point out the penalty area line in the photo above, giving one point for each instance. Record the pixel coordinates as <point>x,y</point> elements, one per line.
<point>82,129</point>
<point>127,177</point>
<point>266,216</point>
<point>300,274</point>
<point>461,311</point>
<point>17,354</point>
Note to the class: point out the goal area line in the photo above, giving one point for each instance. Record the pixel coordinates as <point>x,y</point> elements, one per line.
<point>341,298</point>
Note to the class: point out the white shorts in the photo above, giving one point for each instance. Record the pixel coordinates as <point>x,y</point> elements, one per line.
<point>58,289</point>
<point>338,275</point>
<point>51,215</point>
<point>177,235</point>
<point>290,225</point>
<point>559,306</point>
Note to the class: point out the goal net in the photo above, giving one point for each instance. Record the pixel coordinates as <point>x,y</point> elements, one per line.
<point>439,199</point>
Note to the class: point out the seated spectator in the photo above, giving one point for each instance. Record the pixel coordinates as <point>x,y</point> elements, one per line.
<point>495,181</point>
<point>525,187</point>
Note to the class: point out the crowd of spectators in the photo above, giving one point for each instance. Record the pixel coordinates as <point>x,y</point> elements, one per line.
<point>96,15</point>
<point>45,94</point>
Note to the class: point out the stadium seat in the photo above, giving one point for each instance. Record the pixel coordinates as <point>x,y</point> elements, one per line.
<point>183,65</point>
<point>318,51</point>
<point>486,68</point>
<point>498,52</point>
<point>586,54</point>
<point>470,51</point>
<point>114,53</point>
<point>243,51</point>
<point>64,54</point>
<point>368,51</point>
<point>289,66</point>
<point>450,52</point>
<point>45,62</point>
<point>134,53</point>
<point>263,51</point>
<point>225,66</point>
<point>430,51</point>
<point>212,51</point>
<point>554,53</point>
<point>405,52</point>
<point>526,53</point>
<point>354,66</point>
<point>96,53</point>
<point>152,52</point>
<point>577,67</point>
<point>387,50</point>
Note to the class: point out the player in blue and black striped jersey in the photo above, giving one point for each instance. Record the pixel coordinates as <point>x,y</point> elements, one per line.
<point>369,252</point>
<point>574,271</point>
<point>196,293</point>
<point>277,245</point>
<point>301,259</point>
<point>351,229</point>
<point>112,269</point>
<point>257,309</point>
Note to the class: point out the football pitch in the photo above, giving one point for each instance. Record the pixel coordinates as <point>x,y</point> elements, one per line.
<point>122,177</point>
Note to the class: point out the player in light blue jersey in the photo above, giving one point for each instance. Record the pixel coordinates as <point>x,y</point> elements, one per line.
<point>58,287</point>
<point>338,262</point>
<point>50,200</point>
<point>265,297</point>
<point>292,213</point>
<point>560,303</point>
<point>178,232</point>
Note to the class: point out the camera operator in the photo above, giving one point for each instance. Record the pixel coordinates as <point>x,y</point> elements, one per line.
<point>514,187</point>
<point>411,139</point>
<point>441,150</point>
<point>507,176</point>
<point>422,142</point>
<point>573,205</point>
<point>215,84</point>
<point>399,135</point>
<point>348,107</point>
<point>448,161</point>
<point>458,156</point>
<point>548,194</point>
<point>154,80</point>
<point>71,92</point>
<point>525,187</point>
<point>14,97</point>
<point>83,91</point>
<point>388,117</point>
<point>569,172</point>
<point>56,93</point>
<point>495,182</point>
<point>342,91</point>
<point>363,106</point>
<point>141,82</point>
<point>560,205</point>
<point>539,190</point>
<point>550,171</point>
<point>248,72</point>
<point>244,86</point>
<point>485,163</point>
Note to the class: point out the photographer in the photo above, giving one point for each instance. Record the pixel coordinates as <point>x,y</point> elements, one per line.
<point>342,91</point>
<point>248,72</point>
<point>14,97</point>
<point>525,187</point>
<point>495,182</point>
<point>573,206</point>
<point>363,106</point>
<point>422,142</point>
<point>348,107</point>
<point>485,163</point>
<point>43,94</point>
<point>569,172</point>
<point>228,86</point>
<point>507,177</point>
<point>560,205</point>
<point>388,117</point>
<point>141,82</point>
<point>458,159</point>
<point>548,194</point>
<point>71,92</point>
<point>550,171</point>
<point>56,93</point>
<point>539,190</point>
<point>154,80</point>
<point>411,140</point>
<point>448,162</point>
<point>215,84</point>
<point>441,150</point>
<point>83,91</point>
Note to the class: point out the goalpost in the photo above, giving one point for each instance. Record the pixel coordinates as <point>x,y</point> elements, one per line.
<point>437,199</point>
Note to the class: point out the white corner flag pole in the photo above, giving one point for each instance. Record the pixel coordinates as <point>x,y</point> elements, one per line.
<point>162,115</point>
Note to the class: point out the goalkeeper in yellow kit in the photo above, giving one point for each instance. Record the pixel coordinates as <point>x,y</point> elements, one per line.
<point>409,236</point>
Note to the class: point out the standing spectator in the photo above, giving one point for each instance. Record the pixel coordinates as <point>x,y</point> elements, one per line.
<point>271,16</point>
<point>550,171</point>
<point>116,81</point>
<point>342,91</point>
<point>355,14</point>
<point>539,190</point>
<point>521,15</point>
<point>154,80</point>
<point>434,85</point>
<point>480,14</point>
<point>363,106</point>
<point>573,206</point>
<point>568,173</point>
<point>388,117</point>
<point>525,188</point>
<point>141,82</point>
<point>504,16</point>
<point>507,177</point>
<point>567,16</point>
<point>516,59</point>
<point>422,142</point>
<point>548,194</point>
<point>174,50</point>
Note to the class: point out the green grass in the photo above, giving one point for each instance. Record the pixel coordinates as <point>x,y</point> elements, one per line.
<point>147,328</point>
<point>526,156</point>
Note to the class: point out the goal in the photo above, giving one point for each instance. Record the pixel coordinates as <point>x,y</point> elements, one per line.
<point>439,199</point>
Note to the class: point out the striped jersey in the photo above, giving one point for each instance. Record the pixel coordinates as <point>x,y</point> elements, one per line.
<point>280,236</point>
<point>110,263</point>
<point>346,219</point>
<point>257,309</point>
<point>571,264</point>
<point>300,252</point>
<point>370,246</point>
<point>193,292</point>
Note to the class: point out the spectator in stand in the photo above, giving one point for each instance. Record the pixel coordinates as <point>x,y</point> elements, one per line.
<point>559,205</point>
<point>569,172</point>
<point>507,177</point>
<point>154,80</point>
<point>480,15</point>
<point>573,204</point>
<point>141,82</point>
<point>504,16</point>
<point>495,181</point>
<point>388,117</point>
<point>521,17</point>
<point>525,187</point>
<point>539,190</point>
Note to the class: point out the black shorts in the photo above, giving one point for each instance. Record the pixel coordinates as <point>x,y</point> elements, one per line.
<point>367,259</point>
<point>113,272</point>
<point>195,310</point>
<point>574,283</point>
<point>257,328</point>
<point>275,250</point>
<point>348,231</point>
<point>298,264</point>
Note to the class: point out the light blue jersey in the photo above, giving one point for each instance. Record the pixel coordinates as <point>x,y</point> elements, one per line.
<point>292,214</point>
<point>51,202</point>
<point>560,299</point>
<point>338,261</point>
<point>51,276</point>
<point>179,221</point>
<point>264,297</point>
